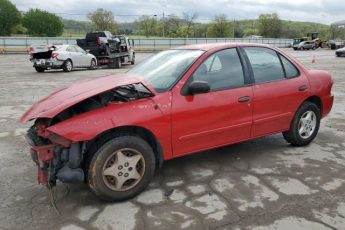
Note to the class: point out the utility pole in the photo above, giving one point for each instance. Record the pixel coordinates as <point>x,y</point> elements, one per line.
<point>163,25</point>
<point>234,29</point>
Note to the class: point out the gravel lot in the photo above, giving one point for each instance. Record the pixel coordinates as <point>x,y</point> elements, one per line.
<point>259,184</point>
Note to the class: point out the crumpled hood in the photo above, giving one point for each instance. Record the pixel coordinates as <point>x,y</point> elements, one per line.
<point>70,95</point>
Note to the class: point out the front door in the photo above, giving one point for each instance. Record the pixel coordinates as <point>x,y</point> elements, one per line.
<point>220,117</point>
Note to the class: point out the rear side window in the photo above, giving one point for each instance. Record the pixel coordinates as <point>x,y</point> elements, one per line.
<point>290,70</point>
<point>71,49</point>
<point>265,64</point>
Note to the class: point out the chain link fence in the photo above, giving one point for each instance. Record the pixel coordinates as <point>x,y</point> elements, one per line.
<point>22,44</point>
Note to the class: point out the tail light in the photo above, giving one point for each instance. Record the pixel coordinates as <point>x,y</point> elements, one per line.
<point>54,55</point>
<point>99,41</point>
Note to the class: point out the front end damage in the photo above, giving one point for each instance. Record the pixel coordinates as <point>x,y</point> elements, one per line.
<point>59,158</point>
<point>55,156</point>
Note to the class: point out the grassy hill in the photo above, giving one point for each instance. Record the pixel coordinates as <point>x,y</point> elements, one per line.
<point>242,28</point>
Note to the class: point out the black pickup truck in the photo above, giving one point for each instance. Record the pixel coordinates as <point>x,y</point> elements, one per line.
<point>111,50</point>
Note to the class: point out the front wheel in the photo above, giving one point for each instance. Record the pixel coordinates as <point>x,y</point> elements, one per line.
<point>93,64</point>
<point>122,168</point>
<point>304,126</point>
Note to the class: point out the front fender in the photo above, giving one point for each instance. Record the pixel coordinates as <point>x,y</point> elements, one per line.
<point>87,126</point>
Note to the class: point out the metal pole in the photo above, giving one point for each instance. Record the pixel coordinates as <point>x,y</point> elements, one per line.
<point>163,25</point>
<point>233,28</point>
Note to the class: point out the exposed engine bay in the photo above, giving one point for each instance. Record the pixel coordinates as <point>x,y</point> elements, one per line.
<point>58,158</point>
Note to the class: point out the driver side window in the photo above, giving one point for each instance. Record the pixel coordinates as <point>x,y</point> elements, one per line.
<point>222,70</point>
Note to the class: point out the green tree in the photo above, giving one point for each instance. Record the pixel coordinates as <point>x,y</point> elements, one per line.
<point>270,25</point>
<point>9,17</point>
<point>189,21</point>
<point>250,31</point>
<point>42,23</point>
<point>19,29</point>
<point>103,20</point>
<point>220,27</point>
<point>172,26</point>
<point>147,25</point>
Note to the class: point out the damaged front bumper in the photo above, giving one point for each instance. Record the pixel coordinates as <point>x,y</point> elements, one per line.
<point>55,161</point>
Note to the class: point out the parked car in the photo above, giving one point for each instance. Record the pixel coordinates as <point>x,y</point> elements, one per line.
<point>64,57</point>
<point>335,44</point>
<point>340,52</point>
<point>114,132</point>
<point>305,45</point>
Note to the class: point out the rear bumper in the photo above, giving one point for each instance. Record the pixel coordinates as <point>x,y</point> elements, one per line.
<point>327,103</point>
<point>47,63</point>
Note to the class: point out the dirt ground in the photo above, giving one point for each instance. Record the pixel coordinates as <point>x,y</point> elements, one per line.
<point>258,184</point>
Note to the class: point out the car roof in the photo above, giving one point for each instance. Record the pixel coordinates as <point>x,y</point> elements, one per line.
<point>211,46</point>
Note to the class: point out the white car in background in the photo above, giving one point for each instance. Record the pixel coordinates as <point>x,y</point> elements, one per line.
<point>64,57</point>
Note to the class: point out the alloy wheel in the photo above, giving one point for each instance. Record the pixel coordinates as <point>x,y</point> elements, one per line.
<point>307,124</point>
<point>123,169</point>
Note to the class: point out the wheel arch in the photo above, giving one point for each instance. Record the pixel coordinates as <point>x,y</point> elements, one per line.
<point>315,100</point>
<point>139,131</point>
<point>69,59</point>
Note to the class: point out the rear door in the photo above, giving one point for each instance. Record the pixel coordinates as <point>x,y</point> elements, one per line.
<point>73,55</point>
<point>220,117</point>
<point>279,90</point>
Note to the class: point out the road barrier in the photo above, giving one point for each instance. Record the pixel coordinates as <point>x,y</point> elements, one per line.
<point>22,44</point>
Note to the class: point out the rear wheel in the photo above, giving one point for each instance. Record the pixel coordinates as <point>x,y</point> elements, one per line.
<point>67,66</point>
<point>305,125</point>
<point>121,169</point>
<point>39,69</point>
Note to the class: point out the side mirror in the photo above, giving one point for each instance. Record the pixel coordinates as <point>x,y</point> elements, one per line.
<point>198,87</point>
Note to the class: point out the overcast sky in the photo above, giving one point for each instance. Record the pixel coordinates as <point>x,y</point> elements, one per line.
<point>322,11</point>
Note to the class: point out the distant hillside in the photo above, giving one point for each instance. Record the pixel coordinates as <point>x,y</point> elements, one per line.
<point>339,23</point>
<point>74,27</point>
<point>242,28</point>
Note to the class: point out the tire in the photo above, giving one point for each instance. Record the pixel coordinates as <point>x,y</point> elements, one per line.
<point>93,64</point>
<point>118,63</point>
<point>297,136</point>
<point>106,161</point>
<point>67,66</point>
<point>133,59</point>
<point>107,50</point>
<point>39,69</point>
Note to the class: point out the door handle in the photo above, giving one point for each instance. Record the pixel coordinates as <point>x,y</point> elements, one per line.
<point>244,99</point>
<point>302,88</point>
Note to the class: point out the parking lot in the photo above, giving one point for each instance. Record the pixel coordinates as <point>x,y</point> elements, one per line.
<point>258,184</point>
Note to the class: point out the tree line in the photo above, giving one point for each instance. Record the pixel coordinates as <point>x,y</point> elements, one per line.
<point>38,22</point>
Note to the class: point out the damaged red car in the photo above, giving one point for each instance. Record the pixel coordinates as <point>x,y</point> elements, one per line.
<point>113,132</point>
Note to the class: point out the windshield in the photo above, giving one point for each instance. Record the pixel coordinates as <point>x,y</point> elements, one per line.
<point>163,69</point>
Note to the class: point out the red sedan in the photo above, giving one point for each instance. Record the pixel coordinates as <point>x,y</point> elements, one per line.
<point>114,132</point>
